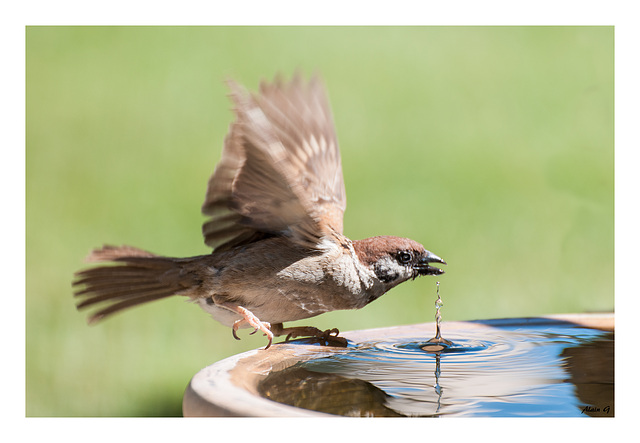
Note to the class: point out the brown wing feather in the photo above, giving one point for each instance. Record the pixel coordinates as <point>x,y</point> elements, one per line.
<point>280,171</point>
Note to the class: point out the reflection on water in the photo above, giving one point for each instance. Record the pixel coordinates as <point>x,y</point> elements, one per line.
<point>552,371</point>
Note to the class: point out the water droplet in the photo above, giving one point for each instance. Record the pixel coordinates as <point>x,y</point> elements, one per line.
<point>437,343</point>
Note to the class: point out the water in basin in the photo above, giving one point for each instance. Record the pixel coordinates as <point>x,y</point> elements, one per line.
<point>550,369</point>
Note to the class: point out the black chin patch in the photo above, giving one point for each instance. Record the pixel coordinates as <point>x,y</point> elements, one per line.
<point>384,273</point>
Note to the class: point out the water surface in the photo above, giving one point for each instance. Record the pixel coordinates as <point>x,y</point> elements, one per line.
<point>554,370</point>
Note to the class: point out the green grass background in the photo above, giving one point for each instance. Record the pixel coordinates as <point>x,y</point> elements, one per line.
<point>492,146</point>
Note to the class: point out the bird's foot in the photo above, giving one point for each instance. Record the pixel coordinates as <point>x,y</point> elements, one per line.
<point>253,321</point>
<point>326,338</point>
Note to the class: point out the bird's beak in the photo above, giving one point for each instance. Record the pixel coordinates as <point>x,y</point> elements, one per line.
<point>422,266</point>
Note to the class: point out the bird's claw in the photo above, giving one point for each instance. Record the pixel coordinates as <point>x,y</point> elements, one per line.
<point>328,337</point>
<point>254,322</point>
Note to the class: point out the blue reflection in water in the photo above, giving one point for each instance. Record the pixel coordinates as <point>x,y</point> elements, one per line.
<point>505,371</point>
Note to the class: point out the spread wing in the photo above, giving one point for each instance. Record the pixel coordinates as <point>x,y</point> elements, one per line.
<point>280,172</point>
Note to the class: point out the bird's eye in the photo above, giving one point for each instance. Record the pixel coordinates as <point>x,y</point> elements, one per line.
<point>404,257</point>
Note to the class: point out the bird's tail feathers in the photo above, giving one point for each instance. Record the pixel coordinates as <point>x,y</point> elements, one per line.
<point>135,277</point>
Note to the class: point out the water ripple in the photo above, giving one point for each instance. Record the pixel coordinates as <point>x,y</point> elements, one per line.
<point>497,371</point>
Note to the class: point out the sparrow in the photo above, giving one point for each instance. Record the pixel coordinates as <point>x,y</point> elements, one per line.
<point>275,204</point>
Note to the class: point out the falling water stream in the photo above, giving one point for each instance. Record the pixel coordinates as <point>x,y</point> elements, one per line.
<point>437,343</point>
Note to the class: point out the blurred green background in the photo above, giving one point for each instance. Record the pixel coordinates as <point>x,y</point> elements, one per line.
<point>492,146</point>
